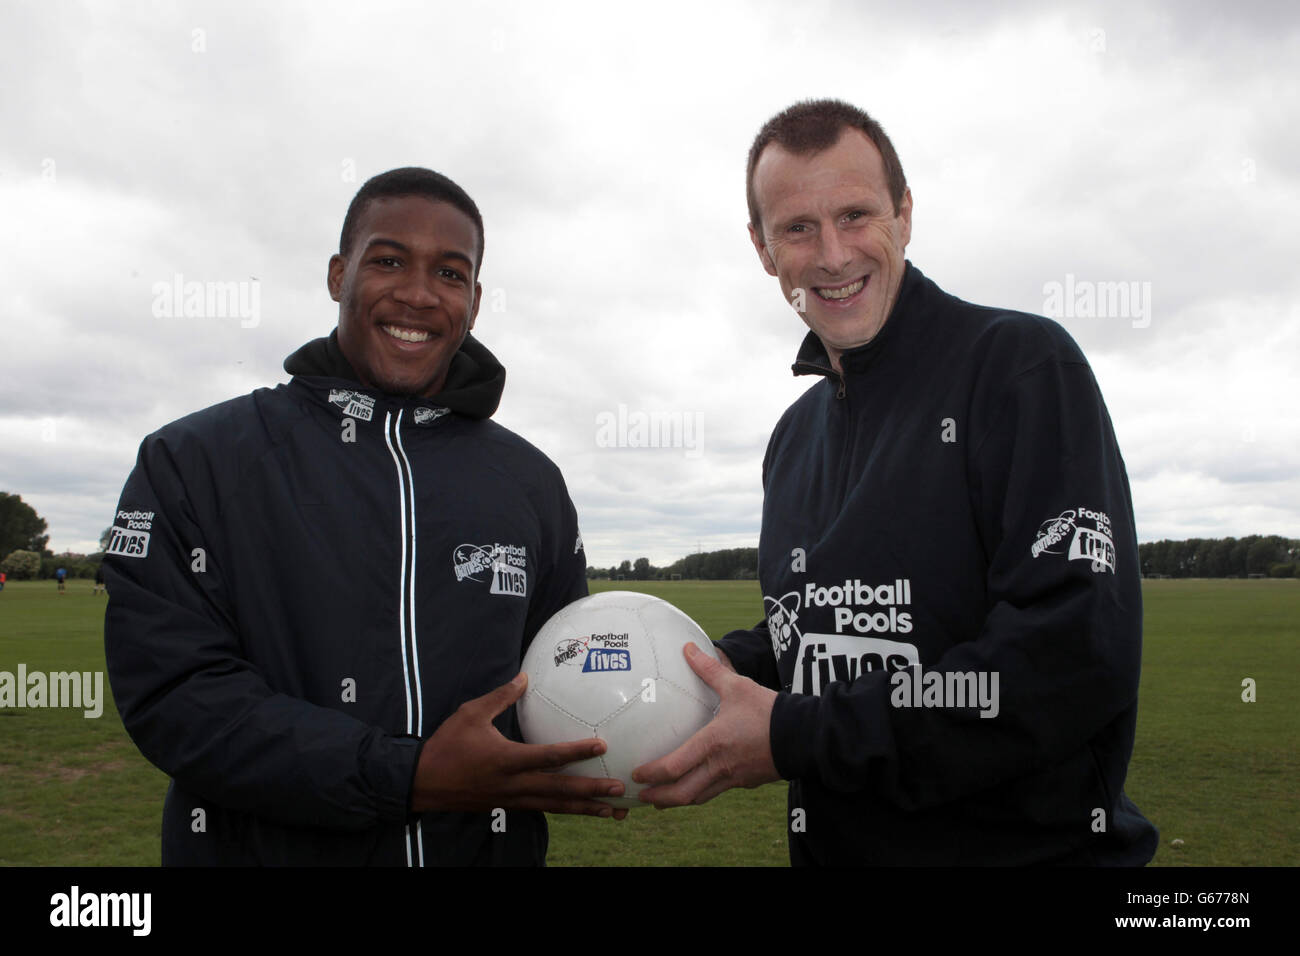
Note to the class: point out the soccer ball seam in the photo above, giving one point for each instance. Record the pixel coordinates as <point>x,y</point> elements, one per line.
<point>711,708</point>
<point>565,711</point>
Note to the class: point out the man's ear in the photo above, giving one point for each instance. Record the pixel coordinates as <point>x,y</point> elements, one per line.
<point>473,312</point>
<point>905,214</point>
<point>334,275</point>
<point>761,248</point>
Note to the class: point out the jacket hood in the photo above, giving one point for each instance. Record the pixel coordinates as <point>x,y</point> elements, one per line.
<point>474,383</point>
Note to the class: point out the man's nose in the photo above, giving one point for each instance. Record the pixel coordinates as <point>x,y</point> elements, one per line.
<point>417,290</point>
<point>835,255</point>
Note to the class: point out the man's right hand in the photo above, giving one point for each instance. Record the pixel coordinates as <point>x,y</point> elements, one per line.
<point>468,765</point>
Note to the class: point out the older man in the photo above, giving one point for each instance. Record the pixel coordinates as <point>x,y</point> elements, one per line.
<point>948,669</point>
<point>321,593</point>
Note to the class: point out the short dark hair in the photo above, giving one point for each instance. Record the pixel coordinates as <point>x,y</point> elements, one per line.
<point>409,181</point>
<point>811,126</point>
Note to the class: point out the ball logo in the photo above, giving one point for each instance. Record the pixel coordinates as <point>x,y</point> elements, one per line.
<point>597,653</point>
<point>569,651</point>
<point>603,659</point>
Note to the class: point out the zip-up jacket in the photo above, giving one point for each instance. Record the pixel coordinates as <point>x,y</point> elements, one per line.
<point>304,583</point>
<point>953,606</point>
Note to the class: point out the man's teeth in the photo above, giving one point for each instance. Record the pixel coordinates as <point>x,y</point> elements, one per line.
<point>407,335</point>
<point>843,293</point>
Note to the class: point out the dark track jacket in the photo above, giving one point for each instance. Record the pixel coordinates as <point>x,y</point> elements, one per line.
<point>304,583</point>
<point>953,606</point>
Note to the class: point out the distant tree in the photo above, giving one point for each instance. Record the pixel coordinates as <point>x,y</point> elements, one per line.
<point>105,538</point>
<point>641,569</point>
<point>20,526</point>
<point>21,565</point>
<point>1263,553</point>
<point>625,569</point>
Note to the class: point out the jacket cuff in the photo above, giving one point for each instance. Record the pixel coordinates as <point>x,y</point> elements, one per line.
<point>793,731</point>
<point>388,766</point>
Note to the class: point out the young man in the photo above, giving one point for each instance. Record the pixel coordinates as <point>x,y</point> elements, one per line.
<point>322,592</point>
<point>948,669</point>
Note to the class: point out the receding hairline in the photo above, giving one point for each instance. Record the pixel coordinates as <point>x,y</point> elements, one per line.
<point>809,154</point>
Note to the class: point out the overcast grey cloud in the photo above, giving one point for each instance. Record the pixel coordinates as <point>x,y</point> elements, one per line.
<point>1046,150</point>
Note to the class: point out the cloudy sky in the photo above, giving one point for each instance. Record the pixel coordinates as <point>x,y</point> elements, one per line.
<point>1088,143</point>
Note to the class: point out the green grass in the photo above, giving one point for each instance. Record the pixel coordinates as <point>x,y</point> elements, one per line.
<point>73,791</point>
<point>1208,769</point>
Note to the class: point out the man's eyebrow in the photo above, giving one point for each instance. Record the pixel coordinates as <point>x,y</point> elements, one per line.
<point>403,248</point>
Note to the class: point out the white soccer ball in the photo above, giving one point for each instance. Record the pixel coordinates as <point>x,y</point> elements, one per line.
<point>611,666</point>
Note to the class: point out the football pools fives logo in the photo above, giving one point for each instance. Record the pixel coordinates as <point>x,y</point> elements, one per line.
<point>129,537</point>
<point>782,613</point>
<point>354,404</point>
<point>597,653</point>
<point>505,565</point>
<point>1090,538</point>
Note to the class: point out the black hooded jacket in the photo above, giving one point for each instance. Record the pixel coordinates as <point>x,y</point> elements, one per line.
<point>953,607</point>
<point>304,583</point>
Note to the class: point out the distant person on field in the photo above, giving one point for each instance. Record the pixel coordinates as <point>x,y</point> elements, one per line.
<point>99,580</point>
<point>61,575</point>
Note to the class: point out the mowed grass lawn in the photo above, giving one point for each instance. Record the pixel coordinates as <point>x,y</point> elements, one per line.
<point>1211,770</point>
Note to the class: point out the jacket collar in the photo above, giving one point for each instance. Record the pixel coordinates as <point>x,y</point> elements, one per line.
<point>475,379</point>
<point>813,359</point>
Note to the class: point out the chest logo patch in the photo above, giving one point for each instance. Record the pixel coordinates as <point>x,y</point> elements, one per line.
<point>782,613</point>
<point>504,565</point>
<point>354,404</point>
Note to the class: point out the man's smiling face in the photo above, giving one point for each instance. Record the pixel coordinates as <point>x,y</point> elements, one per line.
<point>407,293</point>
<point>830,230</point>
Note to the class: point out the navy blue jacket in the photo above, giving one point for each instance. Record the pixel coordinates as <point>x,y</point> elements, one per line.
<point>304,583</point>
<point>952,509</point>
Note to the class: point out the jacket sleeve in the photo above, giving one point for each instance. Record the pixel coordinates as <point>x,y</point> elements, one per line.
<point>1062,630</point>
<point>190,699</point>
<point>563,578</point>
<point>750,653</point>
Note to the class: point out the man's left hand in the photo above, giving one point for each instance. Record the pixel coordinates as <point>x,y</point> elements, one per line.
<point>732,750</point>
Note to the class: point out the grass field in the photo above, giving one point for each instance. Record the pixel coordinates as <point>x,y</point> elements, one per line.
<point>1212,771</point>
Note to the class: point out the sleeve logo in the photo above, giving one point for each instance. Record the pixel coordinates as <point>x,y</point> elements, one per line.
<point>1090,537</point>
<point>127,543</point>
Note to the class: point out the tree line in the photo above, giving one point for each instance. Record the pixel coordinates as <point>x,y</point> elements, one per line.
<point>734,564</point>
<point>23,554</point>
<point>1267,555</point>
<point>23,539</point>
